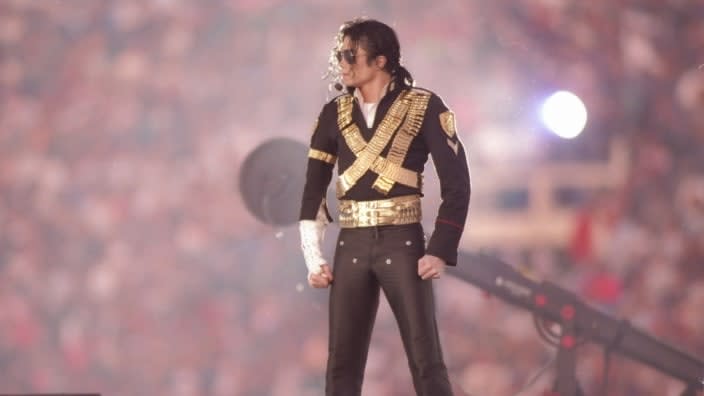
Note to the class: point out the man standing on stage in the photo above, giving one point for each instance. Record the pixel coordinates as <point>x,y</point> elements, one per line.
<point>380,132</point>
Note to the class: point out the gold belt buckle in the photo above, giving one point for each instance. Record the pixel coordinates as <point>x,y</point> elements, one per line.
<point>392,211</point>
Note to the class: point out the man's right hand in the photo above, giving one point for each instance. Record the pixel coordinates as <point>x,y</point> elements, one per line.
<point>322,279</point>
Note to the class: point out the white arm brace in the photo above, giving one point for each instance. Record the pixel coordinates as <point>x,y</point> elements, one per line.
<point>312,234</point>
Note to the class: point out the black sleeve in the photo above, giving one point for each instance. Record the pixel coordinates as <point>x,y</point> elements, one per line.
<point>321,161</point>
<point>450,161</point>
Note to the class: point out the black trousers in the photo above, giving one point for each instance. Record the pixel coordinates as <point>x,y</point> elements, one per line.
<point>368,260</point>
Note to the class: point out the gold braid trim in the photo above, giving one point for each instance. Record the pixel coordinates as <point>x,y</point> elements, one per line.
<point>376,145</point>
<point>344,111</point>
<point>322,156</point>
<point>381,165</point>
<point>395,172</point>
<point>391,171</point>
<point>354,139</point>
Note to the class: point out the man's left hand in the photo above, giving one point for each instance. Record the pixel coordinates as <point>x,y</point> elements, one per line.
<point>430,267</point>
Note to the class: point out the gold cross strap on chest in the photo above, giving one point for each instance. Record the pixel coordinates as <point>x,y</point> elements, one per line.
<point>405,209</point>
<point>408,108</point>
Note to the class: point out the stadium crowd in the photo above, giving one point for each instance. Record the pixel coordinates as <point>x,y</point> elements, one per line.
<point>129,264</point>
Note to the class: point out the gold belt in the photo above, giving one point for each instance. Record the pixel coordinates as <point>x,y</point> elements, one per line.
<point>405,209</point>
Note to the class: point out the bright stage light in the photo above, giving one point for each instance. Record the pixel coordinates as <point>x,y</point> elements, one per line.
<point>564,114</point>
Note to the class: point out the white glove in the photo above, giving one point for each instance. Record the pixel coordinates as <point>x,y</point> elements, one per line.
<point>312,234</point>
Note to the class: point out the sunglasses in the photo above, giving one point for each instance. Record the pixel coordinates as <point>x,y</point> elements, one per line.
<point>348,55</point>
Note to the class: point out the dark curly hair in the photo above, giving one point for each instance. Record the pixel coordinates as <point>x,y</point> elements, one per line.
<point>377,39</point>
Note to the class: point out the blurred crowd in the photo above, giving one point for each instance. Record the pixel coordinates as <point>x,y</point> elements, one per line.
<point>129,264</point>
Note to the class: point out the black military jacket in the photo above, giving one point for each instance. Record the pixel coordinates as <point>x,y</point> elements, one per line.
<point>436,136</point>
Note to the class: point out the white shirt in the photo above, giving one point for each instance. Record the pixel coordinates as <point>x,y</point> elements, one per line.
<point>368,109</point>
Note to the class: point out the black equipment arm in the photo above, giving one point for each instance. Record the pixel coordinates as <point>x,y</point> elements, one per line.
<point>551,302</point>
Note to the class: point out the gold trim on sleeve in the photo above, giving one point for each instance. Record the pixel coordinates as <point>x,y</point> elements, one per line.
<point>322,156</point>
